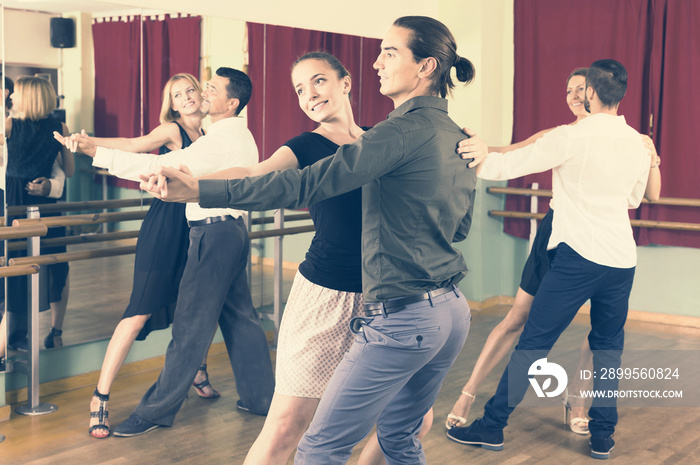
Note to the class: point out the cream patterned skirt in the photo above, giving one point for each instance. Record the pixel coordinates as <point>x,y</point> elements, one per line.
<point>314,336</point>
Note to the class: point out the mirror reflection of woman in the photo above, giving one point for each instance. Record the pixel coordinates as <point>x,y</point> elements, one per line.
<point>506,332</point>
<point>161,249</point>
<point>31,159</point>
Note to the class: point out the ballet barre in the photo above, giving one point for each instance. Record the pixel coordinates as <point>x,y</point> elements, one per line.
<point>34,227</point>
<point>533,214</point>
<point>129,249</point>
<point>672,201</point>
<point>77,239</point>
<point>652,224</point>
<point>79,220</point>
<point>63,207</point>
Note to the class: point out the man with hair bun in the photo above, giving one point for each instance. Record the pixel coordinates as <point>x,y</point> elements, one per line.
<point>417,199</point>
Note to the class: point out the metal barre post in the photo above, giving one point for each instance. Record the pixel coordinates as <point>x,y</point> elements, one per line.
<point>33,406</point>
<point>277,281</point>
<point>533,209</point>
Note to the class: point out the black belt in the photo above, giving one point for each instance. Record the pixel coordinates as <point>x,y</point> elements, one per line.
<point>396,305</point>
<point>210,220</point>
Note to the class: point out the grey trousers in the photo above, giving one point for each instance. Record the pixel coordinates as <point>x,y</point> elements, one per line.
<point>391,376</point>
<point>214,289</point>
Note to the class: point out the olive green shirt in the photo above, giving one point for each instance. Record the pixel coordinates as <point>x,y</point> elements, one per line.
<point>417,197</point>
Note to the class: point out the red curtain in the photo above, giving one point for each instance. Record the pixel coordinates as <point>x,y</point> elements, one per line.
<point>658,41</point>
<point>117,84</point>
<point>675,63</point>
<point>552,38</point>
<point>274,115</point>
<point>171,46</point>
<point>122,100</point>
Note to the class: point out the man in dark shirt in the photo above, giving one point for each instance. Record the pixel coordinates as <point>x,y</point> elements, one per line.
<point>417,199</point>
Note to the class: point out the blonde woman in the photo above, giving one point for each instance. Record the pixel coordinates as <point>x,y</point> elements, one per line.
<point>31,155</point>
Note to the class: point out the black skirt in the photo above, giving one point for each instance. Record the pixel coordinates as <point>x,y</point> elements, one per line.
<point>537,263</point>
<point>161,253</point>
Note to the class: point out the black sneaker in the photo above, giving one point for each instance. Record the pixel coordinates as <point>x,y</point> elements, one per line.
<point>19,346</point>
<point>240,406</point>
<point>477,435</point>
<point>601,447</point>
<point>134,426</point>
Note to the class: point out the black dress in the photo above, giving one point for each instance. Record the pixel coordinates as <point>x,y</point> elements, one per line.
<point>31,152</point>
<point>161,253</point>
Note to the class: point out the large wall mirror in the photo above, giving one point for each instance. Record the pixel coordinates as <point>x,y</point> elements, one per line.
<point>98,289</point>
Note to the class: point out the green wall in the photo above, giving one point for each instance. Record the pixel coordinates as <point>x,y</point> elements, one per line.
<point>665,280</point>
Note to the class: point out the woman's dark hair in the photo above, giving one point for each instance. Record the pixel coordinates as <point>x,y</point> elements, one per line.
<point>10,86</point>
<point>239,86</point>
<point>329,59</point>
<point>577,72</point>
<point>609,79</point>
<point>430,38</point>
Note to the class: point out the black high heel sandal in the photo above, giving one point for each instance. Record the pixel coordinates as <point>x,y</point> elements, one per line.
<point>199,387</point>
<point>102,414</point>
<point>54,339</point>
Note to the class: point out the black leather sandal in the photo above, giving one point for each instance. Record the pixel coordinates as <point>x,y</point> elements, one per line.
<point>54,339</point>
<point>102,414</point>
<point>199,387</point>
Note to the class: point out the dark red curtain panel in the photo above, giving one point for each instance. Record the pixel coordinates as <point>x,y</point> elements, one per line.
<point>675,61</point>
<point>274,115</point>
<point>117,44</point>
<point>117,82</point>
<point>171,46</point>
<point>552,38</point>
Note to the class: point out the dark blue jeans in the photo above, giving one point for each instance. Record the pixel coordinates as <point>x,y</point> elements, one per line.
<point>214,289</point>
<point>571,281</point>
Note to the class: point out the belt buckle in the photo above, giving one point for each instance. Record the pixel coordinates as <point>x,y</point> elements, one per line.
<point>384,312</point>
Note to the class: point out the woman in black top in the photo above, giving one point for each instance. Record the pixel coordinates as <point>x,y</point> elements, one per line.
<point>327,290</point>
<point>31,154</point>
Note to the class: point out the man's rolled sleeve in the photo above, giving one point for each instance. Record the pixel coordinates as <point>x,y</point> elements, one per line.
<point>213,193</point>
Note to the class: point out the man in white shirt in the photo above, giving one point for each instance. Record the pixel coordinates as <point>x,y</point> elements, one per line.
<point>600,169</point>
<point>214,285</point>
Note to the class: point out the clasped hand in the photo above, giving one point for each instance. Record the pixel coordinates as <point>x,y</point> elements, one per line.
<point>171,184</point>
<point>77,142</point>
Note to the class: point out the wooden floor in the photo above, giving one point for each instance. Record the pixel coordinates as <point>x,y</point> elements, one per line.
<point>214,432</point>
<point>100,289</point>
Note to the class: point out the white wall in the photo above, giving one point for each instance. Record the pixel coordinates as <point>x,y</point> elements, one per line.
<point>18,27</point>
<point>360,17</point>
